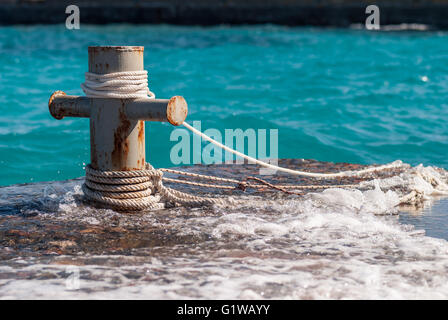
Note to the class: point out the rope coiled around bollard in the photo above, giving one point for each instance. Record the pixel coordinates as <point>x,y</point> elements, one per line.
<point>137,190</point>
<point>121,85</point>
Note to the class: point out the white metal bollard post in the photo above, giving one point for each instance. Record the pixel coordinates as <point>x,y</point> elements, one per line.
<point>117,131</point>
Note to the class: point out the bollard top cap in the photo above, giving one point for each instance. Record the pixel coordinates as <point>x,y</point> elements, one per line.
<point>177,110</point>
<point>110,59</point>
<point>98,49</point>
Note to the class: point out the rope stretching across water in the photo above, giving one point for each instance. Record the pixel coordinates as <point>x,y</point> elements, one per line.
<point>143,189</point>
<point>393,165</point>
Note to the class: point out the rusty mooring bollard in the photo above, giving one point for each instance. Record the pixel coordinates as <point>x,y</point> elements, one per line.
<point>117,130</point>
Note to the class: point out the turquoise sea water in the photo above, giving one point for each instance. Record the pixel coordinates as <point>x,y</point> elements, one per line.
<point>333,94</point>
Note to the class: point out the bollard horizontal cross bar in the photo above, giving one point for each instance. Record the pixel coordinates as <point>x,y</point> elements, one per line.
<point>172,110</point>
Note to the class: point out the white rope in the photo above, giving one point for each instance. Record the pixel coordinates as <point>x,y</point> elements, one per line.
<point>136,190</point>
<point>392,165</point>
<point>134,84</point>
<point>123,85</point>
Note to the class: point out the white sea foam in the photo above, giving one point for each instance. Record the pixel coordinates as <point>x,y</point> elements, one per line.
<point>337,244</point>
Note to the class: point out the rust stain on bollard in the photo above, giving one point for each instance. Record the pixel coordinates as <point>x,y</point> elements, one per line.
<point>51,105</point>
<point>177,110</point>
<point>141,144</point>
<point>93,152</point>
<point>121,143</point>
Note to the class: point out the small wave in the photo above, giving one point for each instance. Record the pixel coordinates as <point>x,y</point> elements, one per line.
<point>395,27</point>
